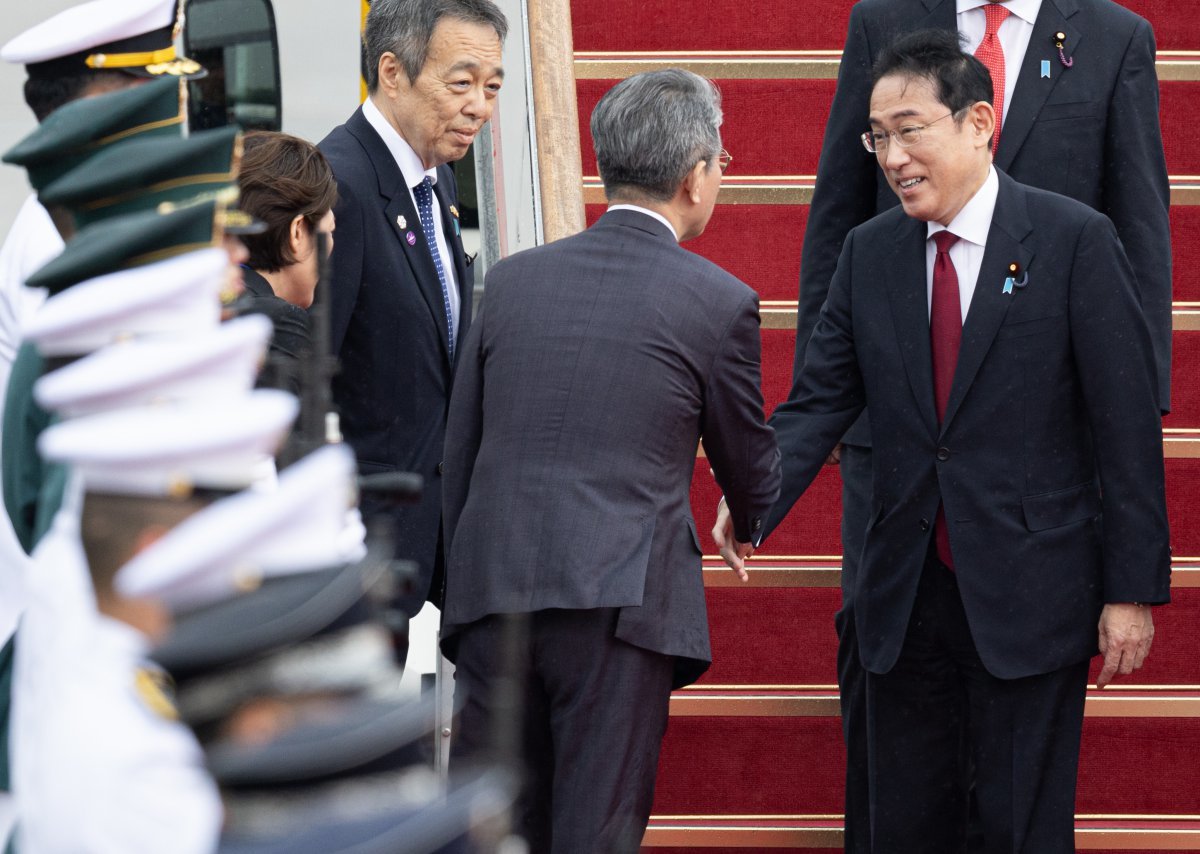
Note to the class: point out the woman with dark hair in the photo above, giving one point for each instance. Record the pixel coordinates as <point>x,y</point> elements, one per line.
<point>287,183</point>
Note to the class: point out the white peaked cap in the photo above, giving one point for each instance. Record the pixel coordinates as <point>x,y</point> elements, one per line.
<point>171,448</point>
<point>236,543</point>
<point>181,294</point>
<point>86,26</point>
<point>212,363</point>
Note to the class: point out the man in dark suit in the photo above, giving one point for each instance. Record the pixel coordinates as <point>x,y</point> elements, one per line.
<point>598,363</point>
<point>1089,131</point>
<point>401,289</point>
<point>996,334</point>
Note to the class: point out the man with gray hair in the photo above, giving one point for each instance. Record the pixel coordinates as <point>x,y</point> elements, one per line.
<point>598,364</point>
<point>401,289</point>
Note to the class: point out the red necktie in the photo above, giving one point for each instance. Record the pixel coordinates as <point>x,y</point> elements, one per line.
<point>945,336</point>
<point>991,54</point>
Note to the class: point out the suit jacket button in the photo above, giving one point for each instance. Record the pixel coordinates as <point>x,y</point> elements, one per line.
<point>924,524</point>
<point>441,469</point>
<point>943,454</point>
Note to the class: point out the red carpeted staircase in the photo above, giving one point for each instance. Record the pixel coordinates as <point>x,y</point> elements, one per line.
<point>753,756</point>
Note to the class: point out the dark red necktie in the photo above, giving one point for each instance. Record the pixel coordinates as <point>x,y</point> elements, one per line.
<point>991,54</point>
<point>945,336</point>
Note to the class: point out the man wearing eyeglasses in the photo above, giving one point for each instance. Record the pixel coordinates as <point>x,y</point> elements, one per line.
<point>996,334</point>
<point>1077,114</point>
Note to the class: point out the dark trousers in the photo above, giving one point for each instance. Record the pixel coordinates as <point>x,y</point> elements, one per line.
<point>1021,734</point>
<point>852,682</point>
<point>594,714</point>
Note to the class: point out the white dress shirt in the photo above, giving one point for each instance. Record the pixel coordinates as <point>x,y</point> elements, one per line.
<point>1014,36</point>
<point>971,225</point>
<point>414,173</point>
<point>655,214</point>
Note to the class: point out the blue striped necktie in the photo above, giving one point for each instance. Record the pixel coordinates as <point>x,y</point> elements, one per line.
<point>423,193</point>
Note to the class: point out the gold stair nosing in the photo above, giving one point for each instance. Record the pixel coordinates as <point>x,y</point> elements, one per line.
<point>781,314</point>
<point>1175,447</point>
<point>828,573</point>
<point>695,832</point>
<point>798,190</point>
<point>1177,66</point>
<point>699,701</point>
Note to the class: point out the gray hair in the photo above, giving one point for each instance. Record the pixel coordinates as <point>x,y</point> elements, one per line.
<point>405,27</point>
<point>652,128</point>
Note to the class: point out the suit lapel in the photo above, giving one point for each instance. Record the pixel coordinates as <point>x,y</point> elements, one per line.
<point>1010,227</point>
<point>399,208</point>
<point>940,14</point>
<point>1032,88</point>
<point>903,269</point>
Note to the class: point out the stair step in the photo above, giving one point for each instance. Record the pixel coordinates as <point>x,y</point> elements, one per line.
<point>1175,65</point>
<point>792,571</point>
<point>1092,832</point>
<point>1116,701</point>
<point>781,314</point>
<point>779,205</point>
<point>744,102</point>
<point>796,612</point>
<point>798,190</point>
<point>813,526</point>
<point>762,763</point>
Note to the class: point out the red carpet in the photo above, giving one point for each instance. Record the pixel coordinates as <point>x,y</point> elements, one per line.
<point>775,127</point>
<point>791,25</point>
<point>793,641</point>
<point>1185,252</point>
<point>772,127</point>
<point>737,236</point>
<point>781,766</point>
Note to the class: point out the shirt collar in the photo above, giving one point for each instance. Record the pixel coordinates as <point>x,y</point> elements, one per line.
<point>647,212</point>
<point>1026,10</point>
<point>975,219</point>
<point>410,165</point>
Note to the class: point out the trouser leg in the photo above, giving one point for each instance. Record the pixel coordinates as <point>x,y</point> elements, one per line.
<point>608,711</point>
<point>855,470</point>
<point>916,724</point>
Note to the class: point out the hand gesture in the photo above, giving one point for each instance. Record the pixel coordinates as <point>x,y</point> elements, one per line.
<point>733,552</point>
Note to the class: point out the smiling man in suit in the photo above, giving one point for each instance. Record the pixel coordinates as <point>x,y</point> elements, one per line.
<point>1017,512</point>
<point>401,289</point>
<point>1083,122</point>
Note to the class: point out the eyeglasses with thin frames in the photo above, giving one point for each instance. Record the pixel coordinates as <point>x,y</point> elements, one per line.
<point>876,141</point>
<point>724,159</point>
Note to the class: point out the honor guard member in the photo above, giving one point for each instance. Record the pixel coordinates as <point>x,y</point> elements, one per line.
<point>70,137</point>
<point>292,687</point>
<point>32,491</point>
<point>97,738</point>
<point>87,50</point>
<point>172,294</point>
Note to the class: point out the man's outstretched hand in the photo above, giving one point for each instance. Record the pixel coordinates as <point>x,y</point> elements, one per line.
<point>732,552</point>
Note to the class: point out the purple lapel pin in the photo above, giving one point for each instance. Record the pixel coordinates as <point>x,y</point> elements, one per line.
<point>411,238</point>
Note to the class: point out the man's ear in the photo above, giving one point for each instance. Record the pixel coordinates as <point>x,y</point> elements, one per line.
<point>982,118</point>
<point>694,180</point>
<point>390,70</point>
